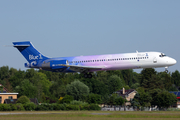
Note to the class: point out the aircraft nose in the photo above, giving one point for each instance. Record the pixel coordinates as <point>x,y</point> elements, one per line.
<point>172,61</point>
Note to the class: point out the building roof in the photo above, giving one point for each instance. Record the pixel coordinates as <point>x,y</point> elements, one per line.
<point>4,89</point>
<point>177,93</point>
<point>9,93</point>
<point>127,92</point>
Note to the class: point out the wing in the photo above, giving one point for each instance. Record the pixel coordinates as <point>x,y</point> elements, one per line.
<point>79,68</point>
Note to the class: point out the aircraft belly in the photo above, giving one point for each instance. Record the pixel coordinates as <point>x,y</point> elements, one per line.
<point>120,66</point>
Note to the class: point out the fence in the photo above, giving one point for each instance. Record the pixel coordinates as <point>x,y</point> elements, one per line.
<point>122,108</point>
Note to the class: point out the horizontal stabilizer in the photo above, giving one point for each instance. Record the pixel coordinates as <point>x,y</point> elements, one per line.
<point>21,45</point>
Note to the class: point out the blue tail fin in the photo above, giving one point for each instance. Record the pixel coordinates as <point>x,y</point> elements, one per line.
<point>29,52</point>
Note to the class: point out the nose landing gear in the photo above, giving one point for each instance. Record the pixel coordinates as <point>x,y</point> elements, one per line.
<point>166,69</point>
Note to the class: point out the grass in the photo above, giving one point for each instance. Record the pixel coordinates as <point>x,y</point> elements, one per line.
<point>89,115</point>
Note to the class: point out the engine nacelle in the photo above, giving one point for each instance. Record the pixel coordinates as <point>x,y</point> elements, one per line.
<point>54,64</point>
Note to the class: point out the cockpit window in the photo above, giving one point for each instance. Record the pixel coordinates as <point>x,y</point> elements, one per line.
<point>162,55</point>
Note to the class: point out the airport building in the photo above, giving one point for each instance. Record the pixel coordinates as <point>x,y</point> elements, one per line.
<point>127,94</point>
<point>5,94</point>
<point>177,93</point>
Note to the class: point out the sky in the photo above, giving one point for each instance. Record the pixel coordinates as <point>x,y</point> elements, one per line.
<point>62,28</point>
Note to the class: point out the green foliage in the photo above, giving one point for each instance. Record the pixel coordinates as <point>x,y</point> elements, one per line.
<point>96,86</point>
<point>42,82</point>
<point>19,107</point>
<point>42,107</point>
<point>112,99</point>
<point>84,107</point>
<point>66,99</point>
<point>152,82</point>
<point>75,102</point>
<point>45,107</point>
<point>115,72</point>
<point>164,99</point>
<point>77,89</point>
<point>127,76</point>
<point>141,99</point>
<point>94,98</point>
<point>5,107</point>
<point>1,89</point>
<point>175,78</point>
<point>4,72</point>
<point>119,101</point>
<point>115,83</point>
<point>45,84</point>
<point>166,79</point>
<point>126,87</point>
<point>29,106</point>
<point>94,107</point>
<point>72,107</point>
<point>146,74</point>
<point>23,99</point>
<point>136,85</point>
<point>58,106</point>
<point>27,88</point>
<point>13,107</point>
<point>57,89</point>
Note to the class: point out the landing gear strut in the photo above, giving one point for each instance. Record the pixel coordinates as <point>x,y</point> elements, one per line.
<point>88,75</point>
<point>166,69</point>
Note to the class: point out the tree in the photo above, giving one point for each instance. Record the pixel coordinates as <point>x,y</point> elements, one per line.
<point>146,74</point>
<point>119,101</point>
<point>136,85</point>
<point>57,89</point>
<point>17,78</point>
<point>4,72</point>
<point>42,83</point>
<point>135,101</point>
<point>152,83</point>
<point>115,72</point>
<point>26,88</point>
<point>164,99</point>
<point>102,76</point>
<point>175,78</point>
<point>135,78</point>
<point>166,79</point>
<point>145,99</point>
<point>94,98</point>
<point>66,99</point>
<point>23,99</point>
<point>141,99</point>
<point>115,83</point>
<point>77,89</point>
<point>112,99</point>
<point>127,76</point>
<point>96,86</point>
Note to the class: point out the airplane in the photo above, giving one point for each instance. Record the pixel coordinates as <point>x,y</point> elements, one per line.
<point>93,63</point>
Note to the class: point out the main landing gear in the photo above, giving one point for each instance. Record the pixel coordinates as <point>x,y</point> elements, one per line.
<point>86,75</point>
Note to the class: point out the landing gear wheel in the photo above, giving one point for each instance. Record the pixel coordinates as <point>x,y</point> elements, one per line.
<point>166,69</point>
<point>88,75</point>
